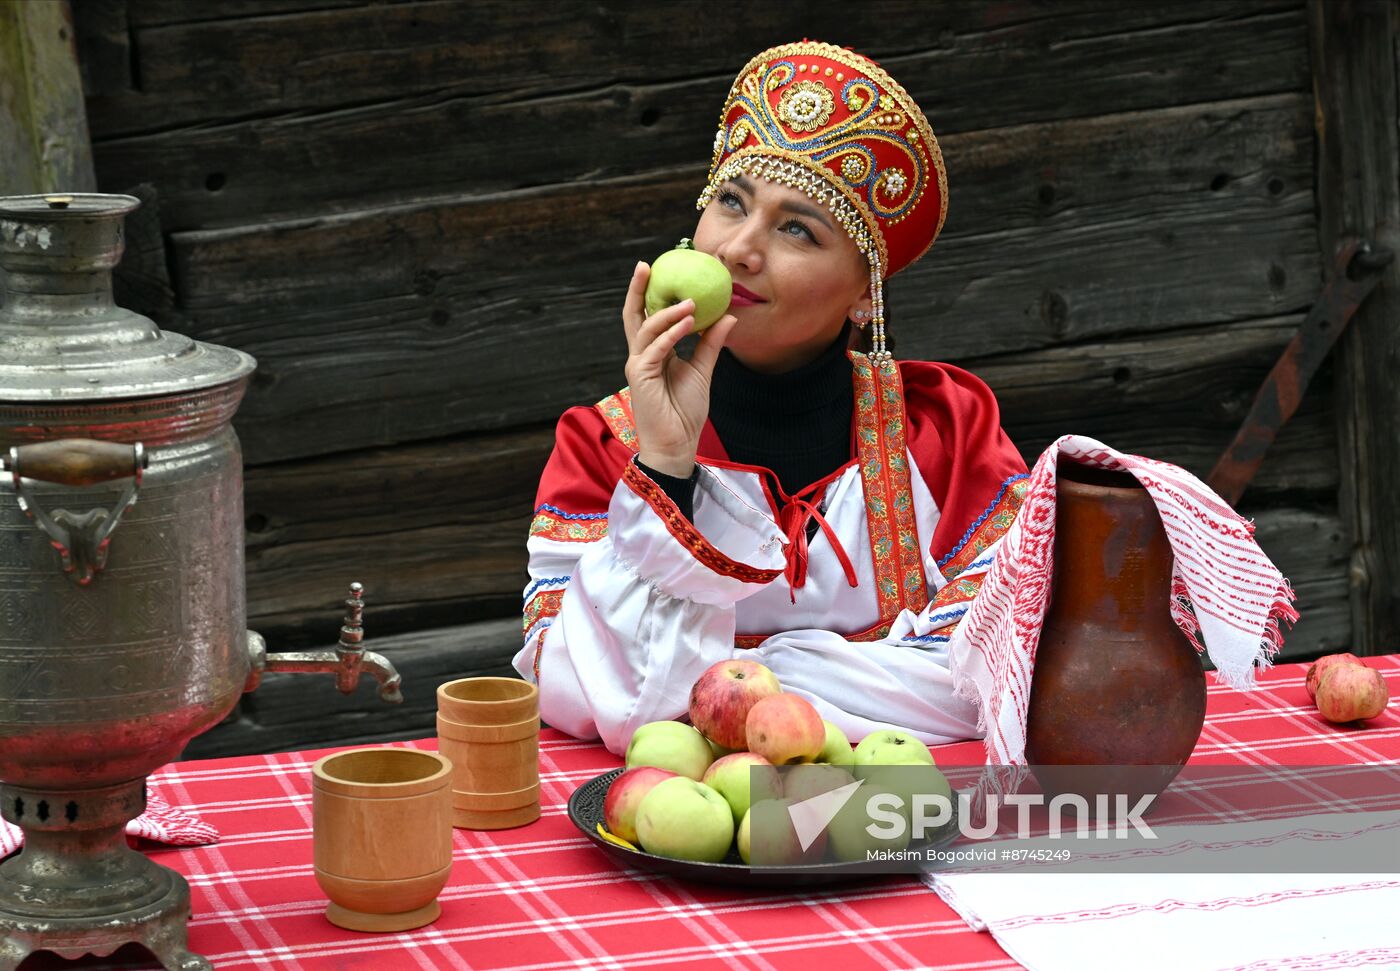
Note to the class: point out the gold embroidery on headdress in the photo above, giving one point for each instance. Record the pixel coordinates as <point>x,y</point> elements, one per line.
<point>806,106</point>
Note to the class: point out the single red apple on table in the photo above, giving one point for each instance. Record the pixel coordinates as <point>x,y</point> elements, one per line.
<point>785,729</point>
<point>625,795</point>
<point>721,698</point>
<point>1319,667</point>
<point>1348,692</point>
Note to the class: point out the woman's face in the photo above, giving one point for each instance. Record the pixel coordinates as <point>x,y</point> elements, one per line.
<point>797,275</point>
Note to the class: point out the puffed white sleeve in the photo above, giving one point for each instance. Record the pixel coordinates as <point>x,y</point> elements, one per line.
<point>641,607</point>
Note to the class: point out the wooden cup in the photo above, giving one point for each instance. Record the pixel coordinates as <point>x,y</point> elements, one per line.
<point>382,836</point>
<point>490,729</point>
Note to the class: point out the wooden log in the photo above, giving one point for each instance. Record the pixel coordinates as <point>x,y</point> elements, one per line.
<point>365,323</point>
<point>43,126</point>
<point>1354,65</point>
<point>1067,59</point>
<point>436,531</point>
<point>372,155</point>
<point>289,712</point>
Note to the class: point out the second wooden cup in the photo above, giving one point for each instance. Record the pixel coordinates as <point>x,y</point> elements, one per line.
<point>490,730</point>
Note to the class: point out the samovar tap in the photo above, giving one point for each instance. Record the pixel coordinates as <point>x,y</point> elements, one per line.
<point>346,662</point>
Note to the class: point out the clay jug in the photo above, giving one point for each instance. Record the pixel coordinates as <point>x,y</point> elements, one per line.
<point>1117,687</point>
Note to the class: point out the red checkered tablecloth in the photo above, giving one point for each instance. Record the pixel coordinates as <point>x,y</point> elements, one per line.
<point>543,897</point>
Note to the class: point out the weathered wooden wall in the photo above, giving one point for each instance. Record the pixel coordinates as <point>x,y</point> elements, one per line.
<point>421,216</point>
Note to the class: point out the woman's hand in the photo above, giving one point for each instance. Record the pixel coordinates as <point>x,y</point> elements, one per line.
<point>670,396</point>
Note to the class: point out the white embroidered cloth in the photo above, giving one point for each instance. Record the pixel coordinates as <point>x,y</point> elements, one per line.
<point>1222,919</point>
<point>1225,591</point>
<point>161,822</point>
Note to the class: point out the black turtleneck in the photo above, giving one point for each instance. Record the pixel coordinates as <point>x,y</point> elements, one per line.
<point>798,424</point>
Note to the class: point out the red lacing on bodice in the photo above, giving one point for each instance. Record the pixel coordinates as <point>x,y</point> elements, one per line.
<point>793,518</point>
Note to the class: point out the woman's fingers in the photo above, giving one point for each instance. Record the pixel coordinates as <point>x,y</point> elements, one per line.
<point>711,342</point>
<point>634,307</point>
<point>658,323</point>
<point>652,359</point>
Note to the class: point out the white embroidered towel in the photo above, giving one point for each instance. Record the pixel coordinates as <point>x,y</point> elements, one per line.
<point>1223,919</point>
<point>1227,596</point>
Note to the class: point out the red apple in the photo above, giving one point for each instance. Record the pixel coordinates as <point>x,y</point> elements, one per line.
<point>785,729</point>
<point>1348,692</point>
<point>1319,667</point>
<point>625,795</point>
<point>721,698</point>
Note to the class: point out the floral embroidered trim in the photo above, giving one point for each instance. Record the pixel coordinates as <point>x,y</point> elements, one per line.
<point>687,535</point>
<point>555,524</point>
<point>542,606</point>
<point>616,410</point>
<point>989,527</point>
<point>545,582</point>
<point>749,642</point>
<point>889,497</point>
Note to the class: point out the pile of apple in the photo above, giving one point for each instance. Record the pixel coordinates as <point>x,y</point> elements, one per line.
<point>691,792</point>
<point>1346,690</point>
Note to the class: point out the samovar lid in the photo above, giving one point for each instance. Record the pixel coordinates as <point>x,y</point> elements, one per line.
<point>61,335</point>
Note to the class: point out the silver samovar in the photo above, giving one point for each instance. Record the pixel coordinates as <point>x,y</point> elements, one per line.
<point>122,612</point>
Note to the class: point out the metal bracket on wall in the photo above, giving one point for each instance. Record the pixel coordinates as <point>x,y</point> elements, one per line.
<point>1355,273</point>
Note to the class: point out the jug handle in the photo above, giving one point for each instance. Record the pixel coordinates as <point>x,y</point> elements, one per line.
<point>82,540</point>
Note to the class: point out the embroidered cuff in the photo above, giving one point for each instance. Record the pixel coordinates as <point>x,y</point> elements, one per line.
<point>679,491</point>
<point>664,547</point>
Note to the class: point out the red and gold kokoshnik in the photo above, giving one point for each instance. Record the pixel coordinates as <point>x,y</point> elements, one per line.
<point>831,123</point>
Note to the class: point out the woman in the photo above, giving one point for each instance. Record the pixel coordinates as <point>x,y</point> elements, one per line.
<point>826,512</point>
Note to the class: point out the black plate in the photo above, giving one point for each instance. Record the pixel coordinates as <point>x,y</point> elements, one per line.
<point>586,811</point>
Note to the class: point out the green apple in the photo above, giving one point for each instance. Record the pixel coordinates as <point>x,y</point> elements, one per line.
<point>767,837</point>
<point>625,796</point>
<point>718,750</point>
<point>685,820</point>
<point>743,778</point>
<point>871,807</point>
<point>801,782</point>
<point>673,746</point>
<point>900,763</point>
<point>889,746</point>
<point>837,749</point>
<point>685,272</point>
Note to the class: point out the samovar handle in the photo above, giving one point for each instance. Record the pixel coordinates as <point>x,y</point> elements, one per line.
<point>81,539</point>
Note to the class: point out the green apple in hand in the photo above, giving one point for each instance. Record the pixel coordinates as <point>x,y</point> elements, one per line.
<point>685,272</point>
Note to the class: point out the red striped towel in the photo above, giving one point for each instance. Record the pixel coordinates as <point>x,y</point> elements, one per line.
<point>161,822</point>
<point>1227,596</point>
